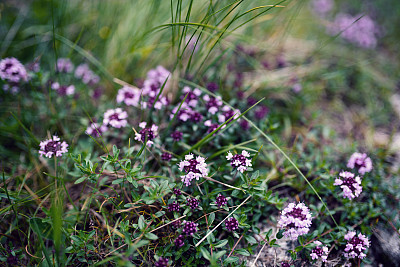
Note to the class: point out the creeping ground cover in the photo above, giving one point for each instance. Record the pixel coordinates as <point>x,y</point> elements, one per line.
<point>199,133</point>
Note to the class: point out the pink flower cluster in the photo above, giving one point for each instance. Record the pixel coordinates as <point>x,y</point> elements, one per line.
<point>115,118</point>
<point>63,90</point>
<point>87,76</point>
<point>228,113</point>
<point>351,185</point>
<point>231,224</point>
<point>96,129</point>
<point>362,32</point>
<point>146,135</point>
<point>194,168</point>
<point>64,65</point>
<point>296,219</point>
<point>12,70</point>
<point>212,103</point>
<point>322,7</point>
<point>129,95</point>
<point>152,86</point>
<point>240,162</point>
<point>361,162</point>
<point>319,252</point>
<point>53,147</point>
<point>356,245</point>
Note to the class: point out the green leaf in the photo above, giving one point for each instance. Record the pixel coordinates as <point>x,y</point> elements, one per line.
<point>243,252</point>
<point>141,222</point>
<point>118,181</point>
<point>80,180</point>
<point>151,236</point>
<point>279,235</point>
<point>205,253</point>
<point>250,239</point>
<point>221,243</point>
<point>299,248</point>
<point>219,254</point>
<point>230,260</point>
<point>211,219</point>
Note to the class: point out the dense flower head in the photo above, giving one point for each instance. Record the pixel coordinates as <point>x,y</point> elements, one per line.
<point>192,202</point>
<point>53,147</point>
<point>319,252</point>
<point>361,162</point>
<point>212,103</point>
<point>351,185</point>
<point>296,219</point>
<point>177,136</point>
<point>244,125</point>
<point>196,117</point>
<point>95,129</point>
<point>360,30</point>
<point>174,206</point>
<point>285,264</point>
<point>129,95</point>
<point>239,162</point>
<point>227,114</point>
<point>192,96</point>
<point>87,76</point>
<point>177,192</point>
<point>231,224</point>
<point>179,241</point>
<point>116,118</point>
<point>261,112</point>
<point>64,65</point>
<point>322,7</point>
<point>221,200</point>
<point>189,228</point>
<point>212,86</point>
<point>152,86</point>
<point>184,113</point>
<point>146,134</point>
<point>166,156</point>
<point>162,262</point>
<point>63,90</point>
<point>194,168</point>
<point>12,70</point>
<point>176,224</point>
<point>356,245</point>
<point>212,126</point>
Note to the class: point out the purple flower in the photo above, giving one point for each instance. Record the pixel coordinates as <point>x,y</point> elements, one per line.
<point>192,202</point>
<point>351,186</point>
<point>166,156</point>
<point>231,224</point>
<point>63,90</point>
<point>129,95</point>
<point>319,251</point>
<point>212,86</point>
<point>12,88</point>
<point>96,130</point>
<point>212,126</point>
<point>244,124</point>
<point>261,112</point>
<point>177,136</point>
<point>296,219</point>
<point>227,114</point>
<point>179,241</point>
<point>177,191</point>
<point>146,134</point>
<point>88,76</point>
<point>240,162</point>
<point>361,162</point>
<point>192,96</point>
<point>184,113</point>
<point>64,65</point>
<point>196,117</point>
<point>152,86</point>
<point>359,31</point>
<point>12,70</point>
<point>356,245</point>
<point>221,200</point>
<point>189,228</point>
<point>322,7</point>
<point>194,168</point>
<point>53,147</point>
<point>162,262</point>
<point>212,103</point>
<point>174,206</point>
<point>116,118</point>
